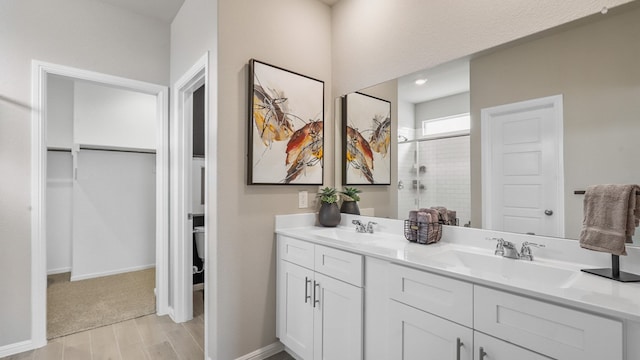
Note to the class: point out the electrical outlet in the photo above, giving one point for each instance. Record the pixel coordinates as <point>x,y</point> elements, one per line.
<point>303,199</point>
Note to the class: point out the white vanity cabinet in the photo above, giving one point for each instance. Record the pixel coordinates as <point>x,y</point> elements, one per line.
<point>320,300</point>
<point>437,317</point>
<point>388,299</point>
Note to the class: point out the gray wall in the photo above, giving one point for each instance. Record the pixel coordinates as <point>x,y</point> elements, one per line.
<point>446,106</point>
<point>80,33</point>
<point>595,68</point>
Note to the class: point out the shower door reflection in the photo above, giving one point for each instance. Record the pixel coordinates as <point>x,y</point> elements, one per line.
<point>435,172</point>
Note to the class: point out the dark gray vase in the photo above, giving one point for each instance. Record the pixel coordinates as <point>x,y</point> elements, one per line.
<point>329,215</point>
<point>350,207</point>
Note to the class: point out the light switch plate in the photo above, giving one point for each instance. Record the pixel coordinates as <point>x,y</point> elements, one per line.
<point>303,199</point>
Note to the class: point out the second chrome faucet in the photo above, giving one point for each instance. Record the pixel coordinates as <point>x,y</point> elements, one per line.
<point>362,228</point>
<point>508,249</point>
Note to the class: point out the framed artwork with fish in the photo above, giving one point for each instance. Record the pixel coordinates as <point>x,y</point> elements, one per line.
<point>286,127</point>
<point>366,140</point>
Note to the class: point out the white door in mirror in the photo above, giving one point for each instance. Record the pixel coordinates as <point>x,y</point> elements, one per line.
<point>522,167</point>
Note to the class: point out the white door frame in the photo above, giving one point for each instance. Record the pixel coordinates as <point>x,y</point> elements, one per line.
<point>39,72</point>
<point>181,308</point>
<point>486,116</point>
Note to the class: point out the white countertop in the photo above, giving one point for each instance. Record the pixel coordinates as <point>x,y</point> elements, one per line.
<point>581,291</point>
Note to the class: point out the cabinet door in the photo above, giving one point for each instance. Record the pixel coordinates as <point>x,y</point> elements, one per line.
<point>490,348</point>
<point>295,313</point>
<point>337,320</point>
<point>418,335</point>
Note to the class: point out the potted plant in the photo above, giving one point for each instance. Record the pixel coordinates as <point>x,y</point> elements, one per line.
<point>329,213</point>
<point>350,200</point>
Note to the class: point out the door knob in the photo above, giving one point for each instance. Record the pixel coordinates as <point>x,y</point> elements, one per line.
<point>548,212</point>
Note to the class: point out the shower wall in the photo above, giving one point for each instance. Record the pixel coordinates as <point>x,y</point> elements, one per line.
<point>435,173</point>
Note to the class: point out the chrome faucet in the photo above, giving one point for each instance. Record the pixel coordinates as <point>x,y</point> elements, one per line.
<point>508,249</point>
<point>525,251</point>
<point>362,228</point>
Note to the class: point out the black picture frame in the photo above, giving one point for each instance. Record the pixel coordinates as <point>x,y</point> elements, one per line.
<point>286,127</point>
<point>366,140</point>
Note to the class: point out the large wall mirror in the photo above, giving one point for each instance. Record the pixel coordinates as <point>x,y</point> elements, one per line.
<point>583,78</point>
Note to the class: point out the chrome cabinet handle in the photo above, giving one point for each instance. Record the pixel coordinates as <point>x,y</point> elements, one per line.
<point>316,285</point>
<point>307,297</point>
<point>548,212</point>
<point>459,344</point>
<point>482,353</point>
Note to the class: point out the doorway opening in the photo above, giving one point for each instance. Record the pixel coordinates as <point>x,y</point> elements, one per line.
<point>189,191</point>
<point>94,164</point>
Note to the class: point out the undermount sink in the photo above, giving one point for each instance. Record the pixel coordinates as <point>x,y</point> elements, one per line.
<point>349,235</point>
<point>497,268</point>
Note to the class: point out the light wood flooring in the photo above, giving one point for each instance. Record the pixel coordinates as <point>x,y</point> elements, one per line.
<point>149,337</point>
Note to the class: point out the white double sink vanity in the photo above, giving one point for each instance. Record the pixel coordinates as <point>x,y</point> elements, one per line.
<point>348,295</point>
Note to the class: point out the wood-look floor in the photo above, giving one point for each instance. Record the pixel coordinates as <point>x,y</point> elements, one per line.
<point>149,337</point>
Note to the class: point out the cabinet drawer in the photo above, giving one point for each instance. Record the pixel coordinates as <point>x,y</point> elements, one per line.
<point>549,329</point>
<point>296,251</point>
<point>339,264</point>
<point>438,295</point>
<point>494,349</point>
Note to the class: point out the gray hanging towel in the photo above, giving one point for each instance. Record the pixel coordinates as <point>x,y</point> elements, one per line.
<point>611,214</point>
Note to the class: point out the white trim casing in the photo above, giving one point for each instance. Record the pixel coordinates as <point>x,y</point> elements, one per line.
<point>181,154</point>
<point>39,72</point>
<point>16,348</point>
<point>556,103</point>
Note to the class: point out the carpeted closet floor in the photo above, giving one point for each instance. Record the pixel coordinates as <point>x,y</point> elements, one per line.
<point>86,304</point>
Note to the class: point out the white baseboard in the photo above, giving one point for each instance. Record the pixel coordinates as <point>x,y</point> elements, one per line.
<point>293,354</point>
<point>171,314</point>
<point>264,353</point>
<point>112,272</point>
<point>16,348</point>
<point>58,270</point>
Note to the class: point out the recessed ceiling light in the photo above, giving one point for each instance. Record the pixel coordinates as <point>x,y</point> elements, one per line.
<point>421,81</point>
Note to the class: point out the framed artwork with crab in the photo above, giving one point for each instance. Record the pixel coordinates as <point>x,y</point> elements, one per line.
<point>286,127</point>
<point>366,140</point>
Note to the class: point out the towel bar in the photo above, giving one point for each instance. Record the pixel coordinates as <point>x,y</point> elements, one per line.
<point>582,192</point>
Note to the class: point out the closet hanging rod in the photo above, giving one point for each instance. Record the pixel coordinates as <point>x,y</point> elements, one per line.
<point>58,149</point>
<point>117,149</point>
<point>582,192</point>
